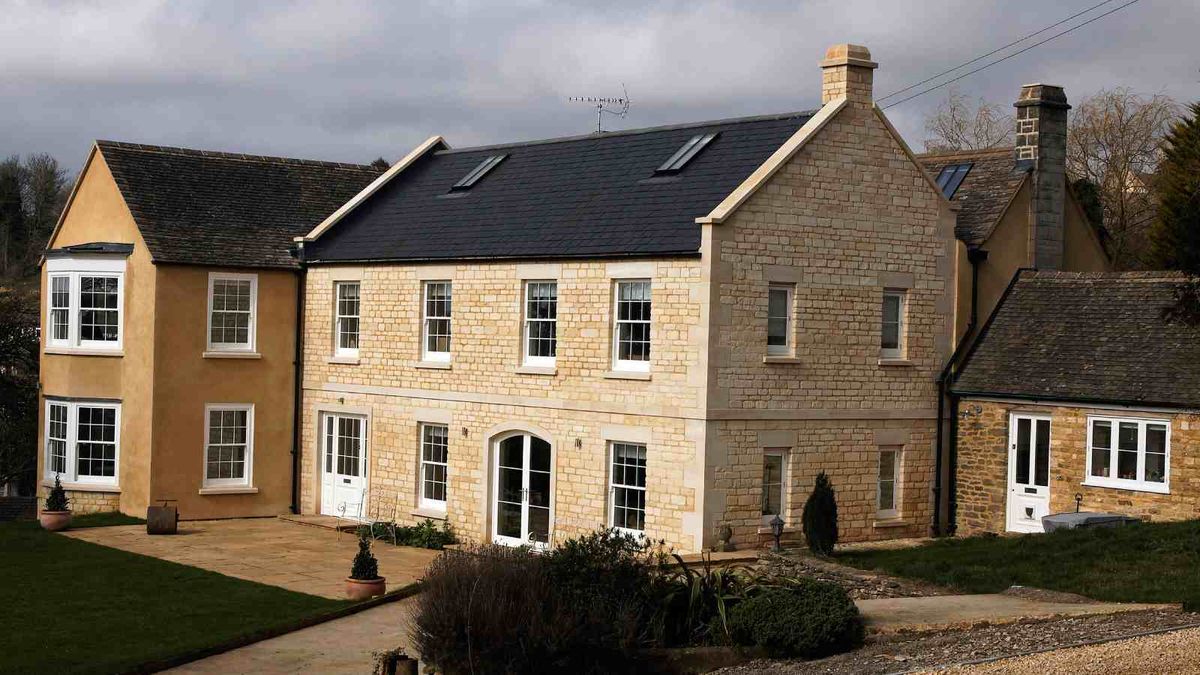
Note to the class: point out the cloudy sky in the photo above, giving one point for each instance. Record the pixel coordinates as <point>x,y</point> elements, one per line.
<point>352,81</point>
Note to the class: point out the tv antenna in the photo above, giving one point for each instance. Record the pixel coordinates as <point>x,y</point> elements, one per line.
<point>618,107</point>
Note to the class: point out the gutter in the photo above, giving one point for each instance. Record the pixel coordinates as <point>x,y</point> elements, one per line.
<point>297,374</point>
<point>976,256</point>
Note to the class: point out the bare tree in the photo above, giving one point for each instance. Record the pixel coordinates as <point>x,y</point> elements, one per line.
<point>1114,141</point>
<point>961,124</point>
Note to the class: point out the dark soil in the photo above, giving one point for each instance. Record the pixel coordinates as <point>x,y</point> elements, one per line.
<point>860,584</point>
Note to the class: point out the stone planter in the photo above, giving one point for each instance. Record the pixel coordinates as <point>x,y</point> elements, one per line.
<point>54,521</point>
<point>357,589</point>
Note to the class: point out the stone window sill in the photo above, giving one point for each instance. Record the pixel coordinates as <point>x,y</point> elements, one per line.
<point>66,351</point>
<point>626,375</point>
<point>536,370</point>
<point>85,487</point>
<point>895,363</point>
<point>432,514</point>
<point>890,522</point>
<point>229,490</point>
<point>231,355</point>
<point>771,358</point>
<point>344,360</point>
<point>433,365</point>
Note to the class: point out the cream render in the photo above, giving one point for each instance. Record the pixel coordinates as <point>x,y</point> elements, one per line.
<point>841,213</point>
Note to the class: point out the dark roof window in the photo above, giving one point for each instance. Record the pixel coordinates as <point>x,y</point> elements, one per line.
<point>951,177</point>
<point>685,154</point>
<point>478,172</point>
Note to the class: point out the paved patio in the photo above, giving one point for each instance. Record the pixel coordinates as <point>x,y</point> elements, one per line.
<point>305,559</point>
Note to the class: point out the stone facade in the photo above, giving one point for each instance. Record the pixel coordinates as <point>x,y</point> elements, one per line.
<point>85,501</point>
<point>983,438</point>
<point>1042,141</point>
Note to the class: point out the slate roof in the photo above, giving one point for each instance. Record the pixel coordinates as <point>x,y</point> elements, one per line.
<point>586,196</point>
<point>1079,336</point>
<point>216,208</point>
<point>984,193</point>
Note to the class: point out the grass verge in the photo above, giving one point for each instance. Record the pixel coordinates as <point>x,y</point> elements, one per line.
<point>1147,562</point>
<point>105,519</point>
<point>85,608</point>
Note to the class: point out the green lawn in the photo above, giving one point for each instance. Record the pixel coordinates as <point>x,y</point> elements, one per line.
<point>75,607</point>
<point>103,519</point>
<point>1149,562</point>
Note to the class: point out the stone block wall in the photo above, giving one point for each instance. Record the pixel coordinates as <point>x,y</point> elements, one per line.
<point>983,465</point>
<point>85,501</point>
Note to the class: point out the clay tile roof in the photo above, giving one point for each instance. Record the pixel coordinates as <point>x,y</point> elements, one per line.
<point>1078,336</point>
<point>216,208</point>
<point>984,193</point>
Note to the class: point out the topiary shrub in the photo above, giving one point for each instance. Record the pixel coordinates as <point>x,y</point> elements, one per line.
<point>820,517</point>
<point>57,499</point>
<point>366,567</point>
<point>809,619</point>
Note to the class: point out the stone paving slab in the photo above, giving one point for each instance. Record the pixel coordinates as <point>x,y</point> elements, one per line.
<point>892,615</point>
<point>267,550</point>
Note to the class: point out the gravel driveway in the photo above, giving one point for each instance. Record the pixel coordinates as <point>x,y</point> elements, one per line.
<point>1176,652</point>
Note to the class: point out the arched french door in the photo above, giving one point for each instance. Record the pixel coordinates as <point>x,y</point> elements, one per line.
<point>521,490</point>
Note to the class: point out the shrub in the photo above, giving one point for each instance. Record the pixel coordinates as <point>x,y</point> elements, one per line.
<point>425,534</point>
<point>694,602</point>
<point>808,619</point>
<point>494,609</point>
<point>820,517</point>
<point>366,567</point>
<point>57,499</point>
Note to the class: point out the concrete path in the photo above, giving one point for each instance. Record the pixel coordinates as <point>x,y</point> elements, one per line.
<point>341,646</point>
<point>891,615</point>
<point>267,550</point>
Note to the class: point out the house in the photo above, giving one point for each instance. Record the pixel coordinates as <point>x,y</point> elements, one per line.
<point>1078,389</point>
<point>169,328</point>
<point>1015,207</point>
<point>665,330</point>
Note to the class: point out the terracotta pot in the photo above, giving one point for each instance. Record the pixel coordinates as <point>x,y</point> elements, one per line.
<point>54,520</point>
<point>357,589</point>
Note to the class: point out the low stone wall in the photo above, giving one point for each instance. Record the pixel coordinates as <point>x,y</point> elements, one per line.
<point>82,501</point>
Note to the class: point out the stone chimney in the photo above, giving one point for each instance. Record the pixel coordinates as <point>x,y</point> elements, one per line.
<point>846,71</point>
<point>1042,146</point>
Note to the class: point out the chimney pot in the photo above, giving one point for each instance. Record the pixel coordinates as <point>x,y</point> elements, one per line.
<point>847,71</point>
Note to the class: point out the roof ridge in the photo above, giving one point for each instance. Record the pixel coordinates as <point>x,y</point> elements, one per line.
<point>1125,275</point>
<point>230,156</point>
<point>966,153</point>
<point>633,132</point>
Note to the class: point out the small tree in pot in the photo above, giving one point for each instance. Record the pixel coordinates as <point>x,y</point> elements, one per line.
<point>364,580</point>
<point>56,514</point>
<point>820,517</point>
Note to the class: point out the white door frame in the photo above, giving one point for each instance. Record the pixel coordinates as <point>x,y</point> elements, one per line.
<point>527,437</point>
<point>1027,502</point>
<point>331,506</point>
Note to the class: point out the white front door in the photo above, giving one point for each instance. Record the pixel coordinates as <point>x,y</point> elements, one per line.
<point>521,489</point>
<point>1028,472</point>
<point>344,466</point>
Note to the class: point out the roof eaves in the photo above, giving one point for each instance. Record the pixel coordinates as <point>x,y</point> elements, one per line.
<point>763,173</point>
<point>431,143</point>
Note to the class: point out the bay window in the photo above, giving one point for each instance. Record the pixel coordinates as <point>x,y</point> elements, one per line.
<point>85,303</point>
<point>83,441</point>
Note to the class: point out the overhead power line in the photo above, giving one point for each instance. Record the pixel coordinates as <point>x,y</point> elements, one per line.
<point>1005,58</point>
<point>994,51</point>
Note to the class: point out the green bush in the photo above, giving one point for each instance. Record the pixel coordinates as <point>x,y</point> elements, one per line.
<point>820,517</point>
<point>57,499</point>
<point>694,602</point>
<point>425,534</point>
<point>366,567</point>
<point>808,619</point>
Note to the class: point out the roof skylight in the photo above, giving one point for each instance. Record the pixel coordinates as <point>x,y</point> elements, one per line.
<point>478,172</point>
<point>951,177</point>
<point>685,154</point>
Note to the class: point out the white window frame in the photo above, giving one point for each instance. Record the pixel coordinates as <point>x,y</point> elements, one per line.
<point>422,501</point>
<point>527,322</point>
<point>74,269</point>
<point>897,462</point>
<point>252,327</point>
<point>627,365</point>
<point>1140,484</point>
<point>247,480</point>
<point>782,454</point>
<point>339,318</point>
<point>901,347</point>
<point>613,486</point>
<point>787,348</point>
<point>71,475</point>
<point>426,318</point>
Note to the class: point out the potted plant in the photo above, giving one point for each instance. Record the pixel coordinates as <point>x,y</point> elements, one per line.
<point>364,580</point>
<point>55,515</point>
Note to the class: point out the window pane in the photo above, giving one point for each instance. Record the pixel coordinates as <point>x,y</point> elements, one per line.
<point>772,484</point>
<point>98,320</point>
<point>1101,447</point>
<point>95,447</point>
<point>1023,439</point>
<point>1156,453</point>
<point>1041,469</point>
<point>1127,445</point>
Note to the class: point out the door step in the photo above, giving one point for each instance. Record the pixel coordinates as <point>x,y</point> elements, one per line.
<point>323,522</point>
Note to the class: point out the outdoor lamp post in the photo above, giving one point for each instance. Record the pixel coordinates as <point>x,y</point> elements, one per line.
<point>777,532</point>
